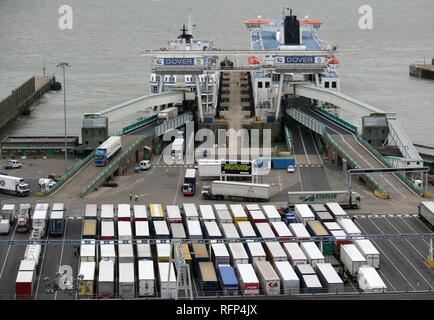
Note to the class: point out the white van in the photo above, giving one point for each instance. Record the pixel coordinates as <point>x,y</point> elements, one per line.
<point>145,164</point>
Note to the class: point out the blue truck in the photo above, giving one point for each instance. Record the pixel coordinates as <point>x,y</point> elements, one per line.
<point>228,280</point>
<point>107,150</point>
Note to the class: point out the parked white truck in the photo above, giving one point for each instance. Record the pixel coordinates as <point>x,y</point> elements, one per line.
<point>344,198</point>
<point>14,185</point>
<point>7,218</point>
<point>426,212</point>
<point>219,190</point>
<point>168,114</point>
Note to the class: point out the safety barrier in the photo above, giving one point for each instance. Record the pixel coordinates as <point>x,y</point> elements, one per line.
<point>139,124</point>
<point>385,161</point>
<point>319,143</point>
<point>337,119</point>
<point>288,137</point>
<point>355,164</point>
<point>71,171</point>
<point>114,164</point>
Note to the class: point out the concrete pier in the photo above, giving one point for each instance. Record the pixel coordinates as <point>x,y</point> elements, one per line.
<point>425,71</point>
<point>20,100</point>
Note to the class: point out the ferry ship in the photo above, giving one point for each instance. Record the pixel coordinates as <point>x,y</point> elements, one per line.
<point>288,33</point>
<point>209,81</point>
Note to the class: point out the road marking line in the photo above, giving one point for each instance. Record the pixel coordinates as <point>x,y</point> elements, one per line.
<point>409,262</point>
<point>7,253</point>
<point>387,280</point>
<point>178,186</point>
<point>425,227</point>
<point>385,255</point>
<point>316,149</point>
<point>414,230</point>
<point>278,178</point>
<point>298,171</point>
<point>407,240</point>
<point>304,147</point>
<point>61,252</point>
<point>159,159</point>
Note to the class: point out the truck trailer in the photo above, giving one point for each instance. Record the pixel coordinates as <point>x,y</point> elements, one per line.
<point>14,185</point>
<point>189,186</point>
<point>344,198</point>
<point>146,278</point>
<point>167,114</point>
<point>228,280</point>
<point>426,212</point>
<point>352,259</point>
<point>106,279</point>
<point>249,282</point>
<point>106,150</point>
<point>219,190</point>
<point>268,278</point>
<point>289,281</point>
<point>370,281</point>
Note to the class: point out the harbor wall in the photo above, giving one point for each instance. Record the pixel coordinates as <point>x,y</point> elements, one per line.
<point>19,101</point>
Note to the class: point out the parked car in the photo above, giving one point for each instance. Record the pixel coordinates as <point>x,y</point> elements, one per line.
<point>46,183</point>
<point>13,164</point>
<point>291,169</point>
<point>55,177</point>
<point>111,184</point>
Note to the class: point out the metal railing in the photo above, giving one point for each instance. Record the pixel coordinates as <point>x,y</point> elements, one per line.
<point>385,162</point>
<point>288,137</point>
<point>139,124</point>
<point>114,164</point>
<point>352,292</point>
<point>370,148</point>
<point>337,119</point>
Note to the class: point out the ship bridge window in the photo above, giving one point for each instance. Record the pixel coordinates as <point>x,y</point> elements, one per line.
<point>334,84</point>
<point>260,84</point>
<point>267,84</point>
<point>327,84</point>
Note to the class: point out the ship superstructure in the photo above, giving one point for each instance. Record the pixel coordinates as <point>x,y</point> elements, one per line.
<point>288,34</point>
<point>208,81</point>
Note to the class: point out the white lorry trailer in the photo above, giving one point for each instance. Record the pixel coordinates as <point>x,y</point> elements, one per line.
<point>14,185</point>
<point>219,190</point>
<point>426,212</point>
<point>106,150</point>
<point>168,114</point>
<point>268,278</point>
<point>370,281</point>
<point>146,277</point>
<point>209,168</point>
<point>352,259</point>
<point>368,250</point>
<point>344,198</point>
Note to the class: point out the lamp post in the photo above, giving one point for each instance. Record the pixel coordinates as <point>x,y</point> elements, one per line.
<point>63,65</point>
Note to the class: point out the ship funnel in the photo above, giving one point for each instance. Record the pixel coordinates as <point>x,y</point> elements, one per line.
<point>292,30</point>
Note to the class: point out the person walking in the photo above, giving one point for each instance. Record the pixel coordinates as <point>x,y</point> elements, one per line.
<point>75,251</point>
<point>136,197</point>
<point>131,196</point>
